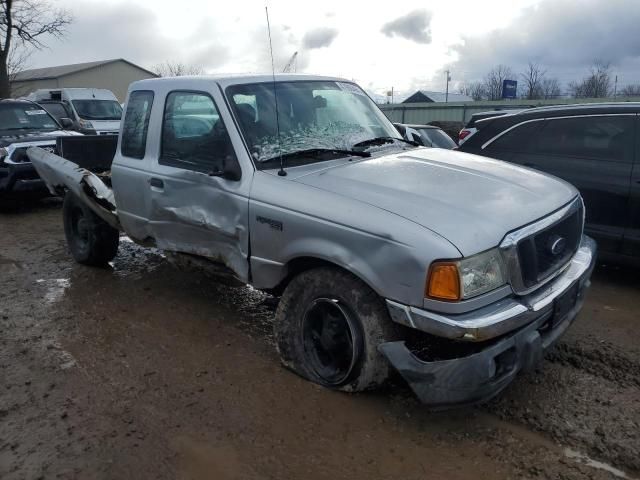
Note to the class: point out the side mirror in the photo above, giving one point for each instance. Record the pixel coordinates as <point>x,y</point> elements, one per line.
<point>66,122</point>
<point>230,169</point>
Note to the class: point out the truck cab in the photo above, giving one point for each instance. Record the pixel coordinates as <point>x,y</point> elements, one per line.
<point>94,111</point>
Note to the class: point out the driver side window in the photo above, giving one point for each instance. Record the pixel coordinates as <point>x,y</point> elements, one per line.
<point>194,136</point>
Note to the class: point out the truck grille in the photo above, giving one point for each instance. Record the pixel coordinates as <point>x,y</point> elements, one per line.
<point>19,155</point>
<point>544,252</point>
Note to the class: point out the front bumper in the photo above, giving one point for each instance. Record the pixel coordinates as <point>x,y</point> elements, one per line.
<point>536,322</point>
<point>18,179</point>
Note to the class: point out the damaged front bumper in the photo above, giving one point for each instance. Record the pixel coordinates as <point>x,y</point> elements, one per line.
<point>20,179</point>
<point>478,377</point>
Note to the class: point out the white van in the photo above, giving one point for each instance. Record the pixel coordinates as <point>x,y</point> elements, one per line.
<point>92,110</point>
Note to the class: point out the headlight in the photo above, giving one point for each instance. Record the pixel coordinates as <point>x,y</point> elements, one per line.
<point>85,124</point>
<point>3,153</point>
<point>466,278</point>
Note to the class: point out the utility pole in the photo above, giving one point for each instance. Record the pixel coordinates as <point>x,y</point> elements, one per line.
<point>615,87</point>
<point>446,95</point>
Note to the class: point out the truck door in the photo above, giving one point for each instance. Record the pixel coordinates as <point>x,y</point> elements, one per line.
<point>595,154</point>
<point>632,234</point>
<point>194,210</point>
<point>131,168</point>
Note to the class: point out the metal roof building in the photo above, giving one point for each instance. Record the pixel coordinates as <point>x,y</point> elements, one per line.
<point>115,75</point>
<point>424,96</point>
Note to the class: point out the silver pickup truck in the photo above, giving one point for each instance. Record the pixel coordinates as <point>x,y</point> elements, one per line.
<point>456,270</point>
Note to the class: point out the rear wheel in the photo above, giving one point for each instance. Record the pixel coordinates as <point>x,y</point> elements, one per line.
<point>91,240</point>
<point>328,328</point>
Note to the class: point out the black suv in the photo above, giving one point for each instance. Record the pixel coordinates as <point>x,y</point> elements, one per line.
<point>593,146</point>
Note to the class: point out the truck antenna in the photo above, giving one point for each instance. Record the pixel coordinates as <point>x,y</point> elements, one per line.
<point>281,172</point>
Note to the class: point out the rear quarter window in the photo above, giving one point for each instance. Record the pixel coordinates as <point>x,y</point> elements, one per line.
<point>596,137</point>
<point>517,139</point>
<point>136,124</point>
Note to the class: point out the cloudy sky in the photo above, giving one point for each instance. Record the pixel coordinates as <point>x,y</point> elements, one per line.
<point>407,44</point>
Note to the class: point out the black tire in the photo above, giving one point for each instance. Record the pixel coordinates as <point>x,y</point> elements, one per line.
<point>356,322</point>
<point>91,240</point>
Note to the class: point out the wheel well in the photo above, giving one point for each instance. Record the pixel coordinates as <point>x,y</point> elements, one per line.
<point>302,264</point>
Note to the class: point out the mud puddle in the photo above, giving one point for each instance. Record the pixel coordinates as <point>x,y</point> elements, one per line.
<point>143,371</point>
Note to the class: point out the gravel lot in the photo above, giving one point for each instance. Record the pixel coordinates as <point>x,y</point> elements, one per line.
<point>144,371</point>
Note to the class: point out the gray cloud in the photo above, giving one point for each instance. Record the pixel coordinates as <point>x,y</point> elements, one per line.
<point>256,56</point>
<point>564,36</point>
<point>131,31</point>
<point>319,37</point>
<point>412,26</point>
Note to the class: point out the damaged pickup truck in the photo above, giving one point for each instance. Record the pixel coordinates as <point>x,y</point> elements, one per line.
<point>456,270</point>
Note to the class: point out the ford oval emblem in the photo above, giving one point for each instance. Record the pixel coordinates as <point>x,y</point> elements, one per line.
<point>557,245</point>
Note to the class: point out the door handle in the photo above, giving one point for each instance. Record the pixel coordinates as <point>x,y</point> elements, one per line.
<point>156,182</point>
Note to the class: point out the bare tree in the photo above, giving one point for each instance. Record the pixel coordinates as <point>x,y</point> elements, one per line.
<point>595,85</point>
<point>26,23</point>
<point>630,91</point>
<point>532,78</point>
<point>475,90</point>
<point>176,69</point>
<point>17,62</point>
<point>550,88</point>
<point>493,81</point>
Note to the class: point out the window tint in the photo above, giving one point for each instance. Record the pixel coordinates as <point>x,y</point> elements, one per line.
<point>515,140</point>
<point>193,134</point>
<point>57,110</point>
<point>415,136</point>
<point>136,124</point>
<point>98,109</point>
<point>605,138</point>
<point>25,116</point>
<point>438,138</point>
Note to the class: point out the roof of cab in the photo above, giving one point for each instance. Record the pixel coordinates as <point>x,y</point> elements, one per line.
<point>576,109</point>
<point>73,93</point>
<point>224,80</point>
<point>417,126</point>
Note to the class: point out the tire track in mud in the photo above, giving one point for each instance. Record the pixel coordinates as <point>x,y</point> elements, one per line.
<point>586,394</point>
<point>602,360</point>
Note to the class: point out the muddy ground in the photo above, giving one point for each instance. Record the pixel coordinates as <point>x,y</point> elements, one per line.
<point>144,371</point>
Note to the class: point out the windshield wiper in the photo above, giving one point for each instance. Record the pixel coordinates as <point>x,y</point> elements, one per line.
<point>314,153</point>
<point>382,140</point>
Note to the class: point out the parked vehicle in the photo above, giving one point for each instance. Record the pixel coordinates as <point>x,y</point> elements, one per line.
<point>470,128</point>
<point>425,135</point>
<point>457,270</point>
<point>592,146</point>
<point>24,124</point>
<point>94,111</point>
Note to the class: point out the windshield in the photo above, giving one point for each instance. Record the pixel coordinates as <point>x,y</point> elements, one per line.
<point>25,116</point>
<point>438,138</point>
<point>98,109</point>
<point>57,110</point>
<point>312,115</point>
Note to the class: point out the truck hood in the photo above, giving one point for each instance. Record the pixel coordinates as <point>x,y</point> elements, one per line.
<point>9,137</point>
<point>471,201</point>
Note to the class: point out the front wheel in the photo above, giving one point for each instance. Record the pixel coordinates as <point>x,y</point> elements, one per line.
<point>91,240</point>
<point>328,328</point>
